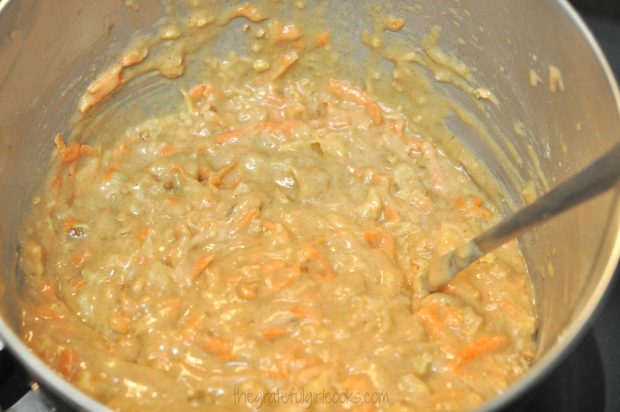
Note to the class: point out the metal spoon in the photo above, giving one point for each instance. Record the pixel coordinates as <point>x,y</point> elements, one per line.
<point>598,177</point>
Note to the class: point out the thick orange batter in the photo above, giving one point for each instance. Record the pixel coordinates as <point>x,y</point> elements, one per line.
<point>269,238</point>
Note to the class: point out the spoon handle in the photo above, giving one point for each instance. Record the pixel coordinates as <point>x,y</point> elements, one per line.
<point>591,181</point>
<point>596,178</point>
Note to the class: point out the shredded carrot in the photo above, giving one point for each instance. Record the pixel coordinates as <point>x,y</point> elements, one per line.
<point>286,60</point>
<point>269,225</point>
<point>345,91</point>
<point>67,363</point>
<point>481,347</point>
<point>452,317</point>
<point>81,257</point>
<point>274,371</point>
<point>527,354</point>
<point>372,175</point>
<point>448,289</point>
<point>69,224</point>
<point>109,173</point>
<point>169,308</point>
<point>249,12</point>
<point>139,259</point>
<point>200,91</point>
<point>171,303</point>
<point>196,92</point>
<point>415,147</point>
<point>381,240</point>
<point>232,185</point>
<point>281,66</point>
<point>102,87</point>
<point>72,152</point>
<point>273,98</point>
<point>218,347</point>
<point>234,278</point>
<point>134,57</point>
<point>232,135</point>
<point>203,173</point>
<point>472,205</point>
<point>120,323</point>
<point>166,150</point>
<point>396,126</point>
<point>461,202</point>
<point>46,312</point>
<point>285,32</point>
<point>279,277</point>
<point>48,291</point>
<point>72,170</point>
<point>301,311</point>
<point>483,212</point>
<point>273,333</point>
<point>395,24</point>
<point>293,111</point>
<point>466,202</point>
<point>375,112</point>
<point>305,312</point>
<point>390,213</point>
<point>434,326</point>
<point>294,271</point>
<point>181,170</point>
<point>191,327</point>
<point>142,234</point>
<point>381,179</point>
<point>248,218</point>
<point>217,178</point>
<point>314,256</point>
<point>286,127</point>
<point>320,240</point>
<point>195,320</point>
<point>246,291</point>
<point>322,39</point>
<point>121,149</point>
<point>79,285</point>
<point>510,309</point>
<point>201,265</point>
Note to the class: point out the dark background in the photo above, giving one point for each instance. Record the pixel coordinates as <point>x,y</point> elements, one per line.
<point>603,18</point>
<point>605,8</point>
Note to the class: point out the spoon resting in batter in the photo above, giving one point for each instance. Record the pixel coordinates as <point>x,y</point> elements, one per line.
<point>599,176</point>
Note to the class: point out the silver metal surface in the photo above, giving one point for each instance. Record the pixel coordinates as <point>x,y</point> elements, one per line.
<point>32,401</point>
<point>598,177</point>
<point>50,51</point>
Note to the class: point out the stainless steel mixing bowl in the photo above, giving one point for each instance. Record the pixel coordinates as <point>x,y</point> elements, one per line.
<point>50,51</point>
